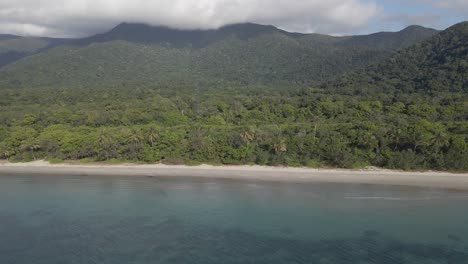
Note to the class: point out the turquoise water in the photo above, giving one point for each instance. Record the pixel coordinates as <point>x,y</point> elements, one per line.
<point>160,220</point>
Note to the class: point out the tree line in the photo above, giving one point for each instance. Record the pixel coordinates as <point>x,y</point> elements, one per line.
<point>292,127</point>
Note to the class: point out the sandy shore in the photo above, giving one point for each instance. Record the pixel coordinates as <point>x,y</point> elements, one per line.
<point>258,173</point>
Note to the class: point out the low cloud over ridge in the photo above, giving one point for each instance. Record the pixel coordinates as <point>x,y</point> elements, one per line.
<point>71,18</point>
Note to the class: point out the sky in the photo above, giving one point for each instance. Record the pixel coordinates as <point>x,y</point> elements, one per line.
<point>79,18</point>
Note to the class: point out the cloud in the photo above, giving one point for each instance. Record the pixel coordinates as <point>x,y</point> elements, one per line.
<point>84,17</point>
<point>460,6</point>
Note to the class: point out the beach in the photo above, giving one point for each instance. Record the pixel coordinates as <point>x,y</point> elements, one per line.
<point>255,173</point>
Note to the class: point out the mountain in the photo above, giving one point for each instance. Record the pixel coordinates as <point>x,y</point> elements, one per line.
<point>145,34</point>
<point>439,64</point>
<point>7,36</point>
<point>394,40</point>
<point>399,105</point>
<point>13,48</point>
<point>141,33</point>
<point>242,54</point>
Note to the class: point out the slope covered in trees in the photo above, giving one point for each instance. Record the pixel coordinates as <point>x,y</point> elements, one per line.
<point>13,48</point>
<point>434,66</point>
<point>392,115</point>
<point>242,54</point>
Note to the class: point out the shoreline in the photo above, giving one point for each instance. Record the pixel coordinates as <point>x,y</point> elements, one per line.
<point>374,176</point>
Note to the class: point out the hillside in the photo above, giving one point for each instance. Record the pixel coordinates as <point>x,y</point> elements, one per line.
<point>393,40</point>
<point>144,113</point>
<point>13,48</point>
<point>439,64</point>
<point>7,36</point>
<point>241,54</point>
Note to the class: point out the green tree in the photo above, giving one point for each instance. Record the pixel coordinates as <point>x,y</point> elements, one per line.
<point>32,148</point>
<point>152,136</point>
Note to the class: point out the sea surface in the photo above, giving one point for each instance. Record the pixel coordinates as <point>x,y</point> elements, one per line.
<point>112,220</point>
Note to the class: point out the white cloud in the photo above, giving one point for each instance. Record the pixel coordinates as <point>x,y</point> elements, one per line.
<point>82,17</point>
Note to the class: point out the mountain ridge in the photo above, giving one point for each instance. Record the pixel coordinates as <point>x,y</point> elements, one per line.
<point>143,102</point>
<point>144,33</point>
<point>13,48</point>
<point>439,64</point>
<point>7,36</point>
<point>239,54</point>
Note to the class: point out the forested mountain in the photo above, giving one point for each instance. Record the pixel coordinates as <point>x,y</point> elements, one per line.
<point>394,40</point>
<point>434,66</point>
<point>136,54</point>
<point>7,36</point>
<point>156,100</point>
<point>13,48</point>
<point>141,33</point>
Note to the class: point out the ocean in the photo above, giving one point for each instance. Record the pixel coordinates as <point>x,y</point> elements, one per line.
<point>139,220</point>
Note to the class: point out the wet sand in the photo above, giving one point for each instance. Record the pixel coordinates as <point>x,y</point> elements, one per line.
<point>256,173</point>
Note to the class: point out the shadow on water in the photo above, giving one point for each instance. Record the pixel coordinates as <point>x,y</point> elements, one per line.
<point>139,240</point>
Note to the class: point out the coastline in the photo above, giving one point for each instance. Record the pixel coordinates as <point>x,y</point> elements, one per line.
<point>254,173</point>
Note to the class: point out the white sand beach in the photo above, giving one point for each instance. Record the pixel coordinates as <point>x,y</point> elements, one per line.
<point>257,173</point>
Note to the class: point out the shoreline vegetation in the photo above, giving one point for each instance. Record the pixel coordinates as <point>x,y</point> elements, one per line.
<point>371,175</point>
<point>408,111</point>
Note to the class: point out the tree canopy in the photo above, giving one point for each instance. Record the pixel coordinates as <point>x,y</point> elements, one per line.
<point>409,111</point>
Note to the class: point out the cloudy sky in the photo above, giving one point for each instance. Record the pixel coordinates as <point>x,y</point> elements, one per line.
<point>76,18</point>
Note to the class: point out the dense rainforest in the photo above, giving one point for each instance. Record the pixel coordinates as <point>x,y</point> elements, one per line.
<point>139,55</point>
<point>14,48</point>
<point>406,108</point>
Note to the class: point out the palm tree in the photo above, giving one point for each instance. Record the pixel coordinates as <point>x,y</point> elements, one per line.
<point>5,153</point>
<point>135,139</point>
<point>397,136</point>
<point>32,148</point>
<point>280,146</point>
<point>152,135</point>
<point>316,121</point>
<point>248,135</point>
<point>103,137</point>
<point>104,142</point>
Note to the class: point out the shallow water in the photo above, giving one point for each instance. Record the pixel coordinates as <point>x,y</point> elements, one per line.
<point>160,220</point>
